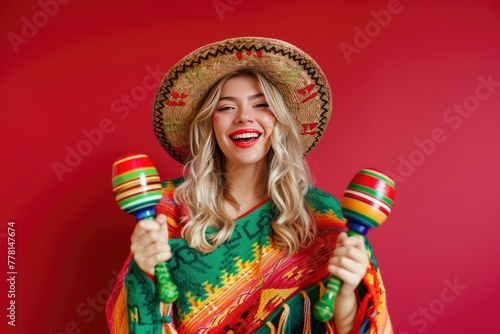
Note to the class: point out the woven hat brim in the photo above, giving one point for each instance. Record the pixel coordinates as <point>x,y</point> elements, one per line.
<point>184,87</point>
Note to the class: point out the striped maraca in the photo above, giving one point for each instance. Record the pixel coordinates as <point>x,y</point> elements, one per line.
<point>137,189</point>
<point>366,203</point>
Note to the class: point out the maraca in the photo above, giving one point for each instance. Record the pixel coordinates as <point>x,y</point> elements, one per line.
<point>366,203</point>
<point>137,189</point>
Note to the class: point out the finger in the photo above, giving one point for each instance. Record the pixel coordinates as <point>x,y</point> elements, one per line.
<point>352,253</point>
<point>155,249</point>
<point>161,219</point>
<point>352,265</point>
<point>139,242</point>
<point>146,225</point>
<point>148,264</point>
<point>358,241</point>
<point>148,257</point>
<point>349,278</point>
<point>353,240</point>
<point>146,233</point>
<point>143,227</point>
<point>340,239</point>
<point>347,269</point>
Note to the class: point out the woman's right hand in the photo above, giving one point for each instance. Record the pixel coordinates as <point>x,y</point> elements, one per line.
<point>150,243</point>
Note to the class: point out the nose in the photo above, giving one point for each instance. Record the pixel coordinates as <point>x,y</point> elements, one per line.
<point>244,115</point>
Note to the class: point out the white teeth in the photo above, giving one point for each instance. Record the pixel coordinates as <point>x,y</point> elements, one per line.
<point>245,135</point>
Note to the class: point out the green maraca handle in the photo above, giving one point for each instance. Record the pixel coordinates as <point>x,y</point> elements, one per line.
<point>167,290</point>
<point>323,308</point>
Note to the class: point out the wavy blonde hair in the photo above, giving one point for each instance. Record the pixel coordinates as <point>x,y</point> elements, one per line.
<point>286,175</point>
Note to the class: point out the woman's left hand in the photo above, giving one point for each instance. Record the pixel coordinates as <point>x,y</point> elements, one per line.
<point>349,262</point>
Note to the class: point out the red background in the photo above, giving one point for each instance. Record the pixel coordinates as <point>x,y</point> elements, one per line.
<point>391,96</point>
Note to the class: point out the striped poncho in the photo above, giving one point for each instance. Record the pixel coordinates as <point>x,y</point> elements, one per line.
<point>246,285</point>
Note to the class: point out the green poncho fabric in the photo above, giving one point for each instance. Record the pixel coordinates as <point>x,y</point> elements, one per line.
<point>246,285</point>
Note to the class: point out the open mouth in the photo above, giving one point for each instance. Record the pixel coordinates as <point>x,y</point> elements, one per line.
<point>245,137</point>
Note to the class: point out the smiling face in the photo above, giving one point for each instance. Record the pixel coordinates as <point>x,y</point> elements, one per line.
<point>243,122</point>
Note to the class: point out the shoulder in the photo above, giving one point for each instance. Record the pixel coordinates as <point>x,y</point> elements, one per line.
<point>170,185</point>
<point>167,191</point>
<point>168,206</point>
<point>322,202</point>
<point>325,209</point>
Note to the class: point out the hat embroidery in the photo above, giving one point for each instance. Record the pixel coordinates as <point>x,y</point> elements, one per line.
<point>308,129</point>
<point>182,149</point>
<point>291,73</point>
<point>248,53</point>
<point>196,72</point>
<point>174,126</point>
<point>306,91</point>
<point>177,99</point>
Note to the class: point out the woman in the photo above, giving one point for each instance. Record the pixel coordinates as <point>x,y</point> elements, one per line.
<point>248,240</point>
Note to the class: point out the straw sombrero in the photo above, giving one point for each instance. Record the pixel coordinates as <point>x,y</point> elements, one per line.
<point>185,86</point>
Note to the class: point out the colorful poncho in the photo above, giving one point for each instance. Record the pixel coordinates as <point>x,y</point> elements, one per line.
<point>246,285</point>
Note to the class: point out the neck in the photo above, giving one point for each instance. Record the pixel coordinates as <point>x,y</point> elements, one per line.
<point>246,182</point>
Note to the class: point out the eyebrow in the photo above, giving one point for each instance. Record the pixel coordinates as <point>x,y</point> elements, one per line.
<point>232,98</point>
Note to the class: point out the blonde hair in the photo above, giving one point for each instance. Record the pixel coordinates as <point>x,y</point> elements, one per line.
<point>287,177</point>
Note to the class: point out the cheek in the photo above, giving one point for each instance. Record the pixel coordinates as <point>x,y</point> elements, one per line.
<point>270,120</point>
<point>219,126</point>
<point>215,119</point>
